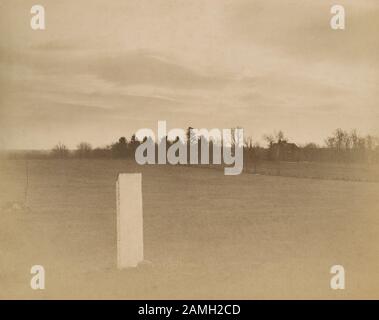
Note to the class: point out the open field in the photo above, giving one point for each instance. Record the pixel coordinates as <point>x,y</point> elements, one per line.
<point>318,170</point>
<point>206,235</point>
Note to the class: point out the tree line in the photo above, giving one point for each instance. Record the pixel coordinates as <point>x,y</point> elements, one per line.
<point>340,146</point>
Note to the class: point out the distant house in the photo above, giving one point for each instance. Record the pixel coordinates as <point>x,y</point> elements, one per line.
<point>284,151</point>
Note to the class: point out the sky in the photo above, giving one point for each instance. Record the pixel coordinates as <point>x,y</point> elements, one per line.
<point>104,69</point>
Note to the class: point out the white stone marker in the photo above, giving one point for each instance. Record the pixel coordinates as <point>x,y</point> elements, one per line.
<point>129,220</point>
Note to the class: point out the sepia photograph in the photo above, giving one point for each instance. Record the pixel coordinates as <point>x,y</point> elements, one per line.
<point>189,150</point>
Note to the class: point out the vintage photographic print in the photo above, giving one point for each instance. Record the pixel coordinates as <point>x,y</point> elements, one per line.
<point>189,149</point>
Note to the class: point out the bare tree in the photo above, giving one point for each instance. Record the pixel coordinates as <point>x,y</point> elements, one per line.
<point>83,150</point>
<point>269,138</point>
<point>280,136</point>
<point>276,137</point>
<point>60,151</point>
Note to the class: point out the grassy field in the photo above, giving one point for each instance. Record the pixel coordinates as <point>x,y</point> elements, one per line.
<point>206,235</point>
<point>318,170</point>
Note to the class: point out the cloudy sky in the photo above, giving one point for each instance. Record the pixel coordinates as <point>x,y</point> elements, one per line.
<point>103,69</point>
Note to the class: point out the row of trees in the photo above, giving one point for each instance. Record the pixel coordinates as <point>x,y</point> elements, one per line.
<point>120,149</point>
<point>341,146</point>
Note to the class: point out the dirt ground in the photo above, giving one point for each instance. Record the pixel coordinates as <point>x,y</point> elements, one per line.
<point>206,235</point>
